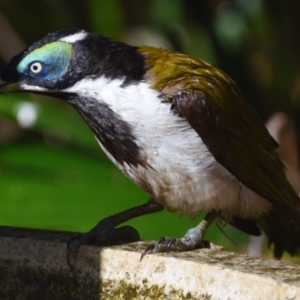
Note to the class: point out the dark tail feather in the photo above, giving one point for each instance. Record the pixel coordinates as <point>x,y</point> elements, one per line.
<point>247,226</point>
<point>283,232</point>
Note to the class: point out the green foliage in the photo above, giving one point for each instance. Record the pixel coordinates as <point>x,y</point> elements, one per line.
<point>105,17</point>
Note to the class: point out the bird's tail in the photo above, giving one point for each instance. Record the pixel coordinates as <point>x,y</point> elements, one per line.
<point>283,232</point>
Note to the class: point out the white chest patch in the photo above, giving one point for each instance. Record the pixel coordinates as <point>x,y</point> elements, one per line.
<point>183,176</point>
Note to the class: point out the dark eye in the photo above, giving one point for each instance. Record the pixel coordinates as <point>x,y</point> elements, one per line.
<point>36,68</point>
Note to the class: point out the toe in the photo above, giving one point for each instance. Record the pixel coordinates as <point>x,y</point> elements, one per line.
<point>166,244</point>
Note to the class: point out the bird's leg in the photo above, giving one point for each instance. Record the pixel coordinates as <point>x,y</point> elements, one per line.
<point>194,238</point>
<point>105,230</point>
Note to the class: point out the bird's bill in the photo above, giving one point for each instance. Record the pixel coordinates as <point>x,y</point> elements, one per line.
<point>6,87</point>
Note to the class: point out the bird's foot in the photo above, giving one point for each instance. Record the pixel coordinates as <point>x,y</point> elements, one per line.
<point>194,238</point>
<point>167,244</point>
<point>106,232</point>
<point>102,234</point>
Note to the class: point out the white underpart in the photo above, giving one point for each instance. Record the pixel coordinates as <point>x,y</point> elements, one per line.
<point>183,173</point>
<point>33,88</point>
<point>73,38</point>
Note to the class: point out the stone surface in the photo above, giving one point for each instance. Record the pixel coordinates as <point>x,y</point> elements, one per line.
<point>33,266</point>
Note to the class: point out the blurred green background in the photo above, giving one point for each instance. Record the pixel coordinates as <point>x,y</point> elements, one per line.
<point>53,174</point>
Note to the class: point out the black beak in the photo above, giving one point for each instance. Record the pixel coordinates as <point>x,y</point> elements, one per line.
<point>6,87</point>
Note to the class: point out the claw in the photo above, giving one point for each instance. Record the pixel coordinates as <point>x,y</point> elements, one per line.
<point>148,250</point>
<point>73,247</point>
<point>71,252</point>
<point>212,246</point>
<point>165,244</point>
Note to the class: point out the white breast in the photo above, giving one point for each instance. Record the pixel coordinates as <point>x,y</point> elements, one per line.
<point>183,176</point>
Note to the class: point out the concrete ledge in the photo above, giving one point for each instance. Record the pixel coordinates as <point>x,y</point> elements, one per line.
<point>33,266</point>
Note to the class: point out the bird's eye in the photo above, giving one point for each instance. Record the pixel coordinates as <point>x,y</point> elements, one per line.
<point>36,68</point>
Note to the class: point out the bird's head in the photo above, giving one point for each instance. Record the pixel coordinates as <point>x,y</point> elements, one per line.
<point>61,59</point>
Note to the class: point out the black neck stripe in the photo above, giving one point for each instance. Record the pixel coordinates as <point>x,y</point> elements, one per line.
<point>113,133</point>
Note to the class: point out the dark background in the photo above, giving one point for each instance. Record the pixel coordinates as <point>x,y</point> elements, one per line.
<point>53,174</point>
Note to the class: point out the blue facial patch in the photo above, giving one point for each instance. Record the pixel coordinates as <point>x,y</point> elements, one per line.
<point>53,59</point>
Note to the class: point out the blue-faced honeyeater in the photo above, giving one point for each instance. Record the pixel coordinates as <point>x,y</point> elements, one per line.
<point>176,126</point>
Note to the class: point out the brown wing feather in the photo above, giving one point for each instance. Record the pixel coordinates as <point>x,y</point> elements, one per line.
<point>239,141</point>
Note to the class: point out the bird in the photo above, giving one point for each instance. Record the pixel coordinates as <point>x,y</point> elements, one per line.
<point>176,126</point>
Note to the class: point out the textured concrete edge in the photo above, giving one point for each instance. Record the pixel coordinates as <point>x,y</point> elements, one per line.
<point>202,274</point>
<point>33,266</point>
